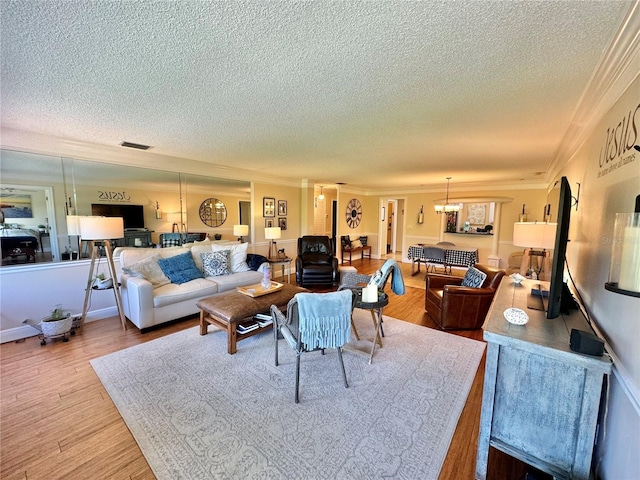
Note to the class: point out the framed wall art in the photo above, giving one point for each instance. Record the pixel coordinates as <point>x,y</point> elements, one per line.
<point>282,207</point>
<point>268,207</point>
<point>282,223</point>
<point>477,213</point>
<point>268,223</point>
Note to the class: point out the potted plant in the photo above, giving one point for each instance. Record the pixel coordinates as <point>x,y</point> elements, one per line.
<point>42,228</point>
<point>101,281</point>
<point>57,323</point>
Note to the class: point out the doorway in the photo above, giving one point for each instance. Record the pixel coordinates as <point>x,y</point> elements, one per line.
<point>28,212</point>
<point>392,224</point>
<point>245,215</point>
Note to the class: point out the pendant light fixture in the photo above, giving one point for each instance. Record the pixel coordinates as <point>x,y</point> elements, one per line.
<point>321,196</point>
<point>447,207</point>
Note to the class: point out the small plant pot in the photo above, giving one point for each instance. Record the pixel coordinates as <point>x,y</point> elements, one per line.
<point>103,284</point>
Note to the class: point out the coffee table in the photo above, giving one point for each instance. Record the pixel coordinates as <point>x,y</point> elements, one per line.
<point>227,309</point>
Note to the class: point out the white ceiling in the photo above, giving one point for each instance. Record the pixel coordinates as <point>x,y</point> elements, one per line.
<point>378,94</point>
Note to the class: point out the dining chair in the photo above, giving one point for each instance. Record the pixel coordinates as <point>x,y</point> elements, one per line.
<point>435,256</point>
<point>355,281</point>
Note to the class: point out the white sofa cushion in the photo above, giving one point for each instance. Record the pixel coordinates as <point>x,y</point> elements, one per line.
<point>238,255</point>
<point>173,293</point>
<point>241,279</point>
<point>196,253</point>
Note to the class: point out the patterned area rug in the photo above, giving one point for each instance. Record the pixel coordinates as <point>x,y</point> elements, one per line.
<point>197,412</point>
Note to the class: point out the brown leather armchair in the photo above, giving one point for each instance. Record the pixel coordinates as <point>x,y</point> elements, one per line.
<point>454,307</point>
<point>316,263</point>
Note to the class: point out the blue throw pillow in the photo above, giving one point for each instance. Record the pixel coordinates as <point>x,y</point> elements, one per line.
<point>180,268</point>
<point>473,278</point>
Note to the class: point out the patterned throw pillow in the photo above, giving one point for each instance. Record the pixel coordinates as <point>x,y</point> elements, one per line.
<point>215,264</point>
<point>149,270</point>
<point>180,268</point>
<point>237,256</point>
<point>171,242</point>
<point>473,278</point>
<point>363,240</point>
<point>356,244</point>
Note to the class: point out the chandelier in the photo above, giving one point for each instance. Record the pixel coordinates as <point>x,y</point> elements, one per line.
<point>447,207</point>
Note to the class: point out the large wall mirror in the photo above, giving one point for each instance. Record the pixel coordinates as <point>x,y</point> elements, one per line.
<point>38,192</point>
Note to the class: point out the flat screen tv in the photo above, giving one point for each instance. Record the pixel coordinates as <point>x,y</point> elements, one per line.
<point>557,289</point>
<point>133,215</point>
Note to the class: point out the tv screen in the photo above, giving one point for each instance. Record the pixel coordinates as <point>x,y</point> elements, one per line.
<point>556,289</point>
<point>133,215</point>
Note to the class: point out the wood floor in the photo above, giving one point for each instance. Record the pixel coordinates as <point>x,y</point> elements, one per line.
<point>57,421</point>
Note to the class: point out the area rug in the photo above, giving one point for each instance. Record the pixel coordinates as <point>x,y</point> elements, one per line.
<point>199,413</point>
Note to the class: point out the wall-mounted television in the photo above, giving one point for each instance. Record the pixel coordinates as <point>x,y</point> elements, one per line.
<point>133,215</point>
<point>558,290</point>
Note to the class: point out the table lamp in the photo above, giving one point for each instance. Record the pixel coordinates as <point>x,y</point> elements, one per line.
<point>272,233</point>
<point>240,231</point>
<point>538,238</point>
<point>102,229</point>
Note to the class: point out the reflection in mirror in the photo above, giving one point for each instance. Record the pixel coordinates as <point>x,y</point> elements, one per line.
<point>244,207</point>
<point>206,203</point>
<point>212,212</point>
<point>166,199</point>
<point>28,186</point>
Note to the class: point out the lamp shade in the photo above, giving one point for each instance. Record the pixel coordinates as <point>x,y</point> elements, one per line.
<point>240,230</point>
<point>73,224</point>
<point>101,228</point>
<point>272,233</point>
<point>534,235</point>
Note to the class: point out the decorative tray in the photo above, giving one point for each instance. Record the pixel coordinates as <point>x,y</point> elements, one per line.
<point>516,316</point>
<point>258,290</point>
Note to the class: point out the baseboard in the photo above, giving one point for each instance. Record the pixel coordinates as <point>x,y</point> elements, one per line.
<point>26,331</point>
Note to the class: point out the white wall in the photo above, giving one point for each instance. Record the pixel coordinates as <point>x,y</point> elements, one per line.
<point>33,292</point>
<point>607,187</point>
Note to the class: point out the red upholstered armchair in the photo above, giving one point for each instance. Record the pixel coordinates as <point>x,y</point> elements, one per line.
<point>454,307</point>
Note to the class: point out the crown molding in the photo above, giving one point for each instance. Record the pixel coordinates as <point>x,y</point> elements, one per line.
<point>618,69</point>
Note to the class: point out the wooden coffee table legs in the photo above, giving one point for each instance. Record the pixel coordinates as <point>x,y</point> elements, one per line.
<point>207,319</point>
<point>233,337</point>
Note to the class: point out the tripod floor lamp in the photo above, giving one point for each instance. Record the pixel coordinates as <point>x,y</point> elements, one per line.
<point>103,230</point>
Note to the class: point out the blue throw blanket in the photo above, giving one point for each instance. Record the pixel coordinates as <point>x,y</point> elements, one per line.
<point>324,319</point>
<point>397,282</point>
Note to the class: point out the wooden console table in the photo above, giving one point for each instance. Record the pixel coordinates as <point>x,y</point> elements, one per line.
<point>541,400</point>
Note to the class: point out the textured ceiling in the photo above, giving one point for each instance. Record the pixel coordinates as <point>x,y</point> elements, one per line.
<point>378,94</point>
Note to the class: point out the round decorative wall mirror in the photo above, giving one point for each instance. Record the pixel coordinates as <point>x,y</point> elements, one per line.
<point>212,212</point>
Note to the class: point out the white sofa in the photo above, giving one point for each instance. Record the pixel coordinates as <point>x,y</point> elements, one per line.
<point>146,306</point>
